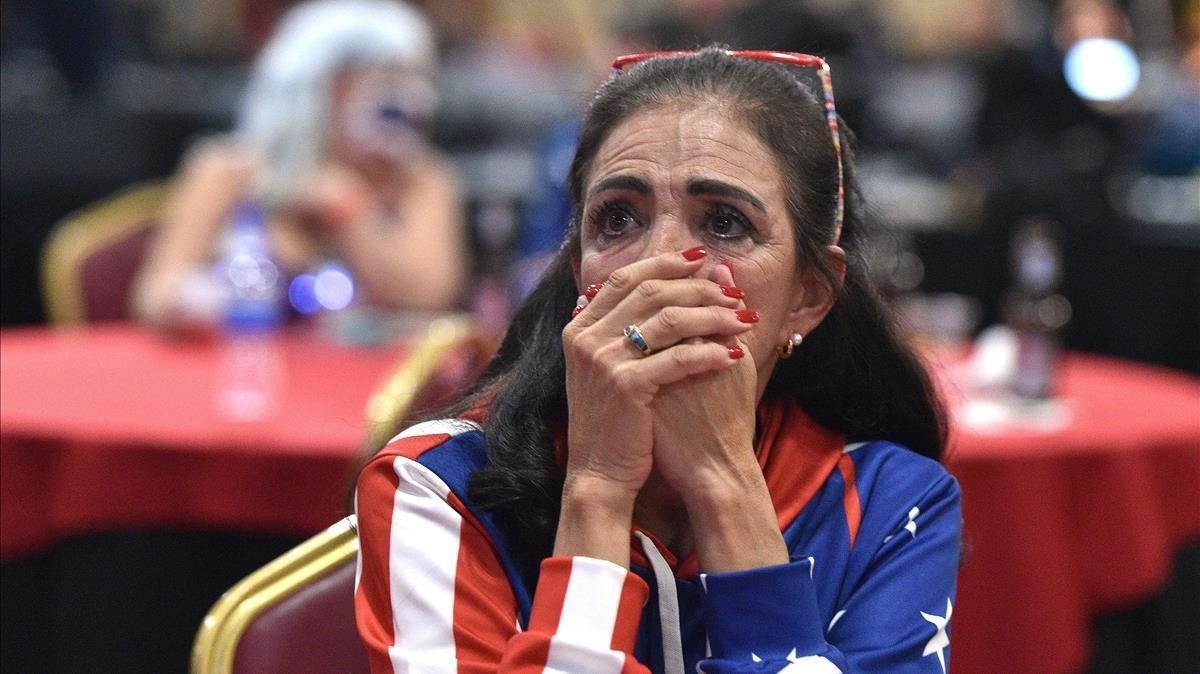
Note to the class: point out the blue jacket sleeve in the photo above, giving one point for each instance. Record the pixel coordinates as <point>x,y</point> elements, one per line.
<point>894,618</point>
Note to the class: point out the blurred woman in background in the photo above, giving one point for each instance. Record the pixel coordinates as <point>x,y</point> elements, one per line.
<point>331,143</point>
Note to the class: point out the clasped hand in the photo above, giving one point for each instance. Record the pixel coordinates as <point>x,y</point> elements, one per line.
<point>685,410</point>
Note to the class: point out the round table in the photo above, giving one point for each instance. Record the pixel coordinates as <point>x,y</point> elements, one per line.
<point>1063,525</point>
<point>112,428</point>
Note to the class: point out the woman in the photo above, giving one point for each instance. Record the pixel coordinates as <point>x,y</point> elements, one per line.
<point>731,392</point>
<point>331,142</point>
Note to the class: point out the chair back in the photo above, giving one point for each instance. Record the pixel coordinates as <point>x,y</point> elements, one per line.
<point>93,255</point>
<point>296,614</point>
<point>451,355</point>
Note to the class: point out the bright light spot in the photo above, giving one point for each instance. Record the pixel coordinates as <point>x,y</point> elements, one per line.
<point>1102,69</point>
<point>333,288</point>
<point>302,295</point>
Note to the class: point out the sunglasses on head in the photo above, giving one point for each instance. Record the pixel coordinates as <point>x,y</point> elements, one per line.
<point>623,63</point>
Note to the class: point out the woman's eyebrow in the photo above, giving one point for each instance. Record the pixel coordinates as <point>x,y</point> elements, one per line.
<point>622,182</point>
<point>710,187</point>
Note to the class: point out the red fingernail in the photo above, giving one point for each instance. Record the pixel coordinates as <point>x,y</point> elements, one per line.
<point>735,351</point>
<point>693,254</point>
<point>575,311</point>
<point>730,291</point>
<point>591,290</point>
<point>747,315</point>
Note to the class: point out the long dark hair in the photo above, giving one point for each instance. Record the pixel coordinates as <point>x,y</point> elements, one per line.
<point>852,374</point>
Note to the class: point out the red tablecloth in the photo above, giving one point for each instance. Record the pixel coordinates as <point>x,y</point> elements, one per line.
<point>1062,526</point>
<point>111,428</point>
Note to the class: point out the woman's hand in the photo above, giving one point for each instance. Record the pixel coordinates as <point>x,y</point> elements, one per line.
<point>704,424</point>
<point>612,385</point>
<point>704,430</point>
<point>704,449</point>
<point>334,199</point>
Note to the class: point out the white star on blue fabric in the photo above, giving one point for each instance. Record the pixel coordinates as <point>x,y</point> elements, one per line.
<point>911,526</point>
<point>809,664</point>
<point>836,617</point>
<point>939,642</point>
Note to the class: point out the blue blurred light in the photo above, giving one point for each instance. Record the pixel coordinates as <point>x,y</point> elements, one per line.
<point>333,288</point>
<point>302,294</point>
<point>1102,69</point>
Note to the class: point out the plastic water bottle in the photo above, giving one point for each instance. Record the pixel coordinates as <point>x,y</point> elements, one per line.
<point>250,273</point>
<point>252,369</point>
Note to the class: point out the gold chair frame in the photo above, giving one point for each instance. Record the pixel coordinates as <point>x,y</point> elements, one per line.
<point>221,631</point>
<point>391,402</point>
<point>86,230</point>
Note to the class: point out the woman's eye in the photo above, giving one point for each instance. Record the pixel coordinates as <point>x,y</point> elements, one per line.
<point>726,223</point>
<point>617,221</point>
<point>613,220</point>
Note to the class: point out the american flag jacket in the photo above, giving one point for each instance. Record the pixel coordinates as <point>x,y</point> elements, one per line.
<point>873,530</point>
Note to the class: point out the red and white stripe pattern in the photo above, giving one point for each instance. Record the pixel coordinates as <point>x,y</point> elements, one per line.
<point>432,595</point>
<point>585,614</point>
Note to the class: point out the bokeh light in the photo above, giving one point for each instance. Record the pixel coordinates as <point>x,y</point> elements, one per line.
<point>302,295</point>
<point>333,287</point>
<point>1102,69</point>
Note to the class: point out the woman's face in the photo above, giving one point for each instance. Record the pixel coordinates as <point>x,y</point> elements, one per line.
<point>379,115</point>
<point>669,179</point>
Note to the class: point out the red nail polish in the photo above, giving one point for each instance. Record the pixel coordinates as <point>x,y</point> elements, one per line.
<point>575,311</point>
<point>735,351</point>
<point>693,254</point>
<point>590,291</point>
<point>730,291</point>
<point>747,315</point>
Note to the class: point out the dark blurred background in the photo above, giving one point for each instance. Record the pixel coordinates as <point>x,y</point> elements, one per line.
<point>967,127</point>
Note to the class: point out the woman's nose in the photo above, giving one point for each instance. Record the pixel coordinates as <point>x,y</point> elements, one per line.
<point>670,235</point>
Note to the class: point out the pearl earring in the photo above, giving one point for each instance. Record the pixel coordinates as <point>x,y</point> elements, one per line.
<point>788,347</point>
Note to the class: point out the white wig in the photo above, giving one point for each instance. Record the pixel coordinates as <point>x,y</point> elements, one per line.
<point>286,113</point>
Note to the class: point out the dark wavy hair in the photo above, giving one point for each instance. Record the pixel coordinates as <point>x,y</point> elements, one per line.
<point>853,373</point>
